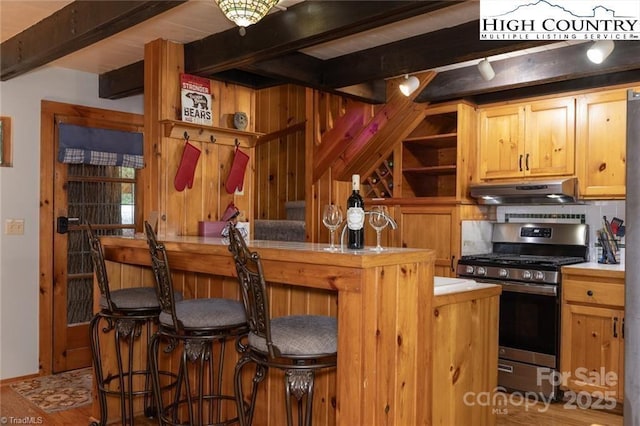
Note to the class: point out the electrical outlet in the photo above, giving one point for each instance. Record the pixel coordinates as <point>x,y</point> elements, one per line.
<point>239,191</point>
<point>14,227</point>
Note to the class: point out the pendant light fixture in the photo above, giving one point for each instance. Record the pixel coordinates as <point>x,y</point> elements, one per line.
<point>245,12</point>
<point>486,70</point>
<point>600,50</point>
<point>409,85</point>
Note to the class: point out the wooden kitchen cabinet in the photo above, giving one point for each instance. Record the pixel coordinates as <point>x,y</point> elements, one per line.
<point>592,349</point>
<point>437,227</point>
<point>601,138</point>
<point>531,140</point>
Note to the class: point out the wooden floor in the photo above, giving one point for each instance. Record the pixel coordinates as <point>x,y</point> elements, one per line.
<point>14,406</point>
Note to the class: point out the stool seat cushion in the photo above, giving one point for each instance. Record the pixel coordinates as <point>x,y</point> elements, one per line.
<point>207,313</point>
<point>301,335</point>
<point>135,298</point>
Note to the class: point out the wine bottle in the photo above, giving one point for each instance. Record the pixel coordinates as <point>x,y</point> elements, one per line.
<point>355,216</point>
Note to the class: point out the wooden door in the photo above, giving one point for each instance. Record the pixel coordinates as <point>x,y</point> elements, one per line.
<point>105,196</point>
<point>550,138</point>
<point>591,342</point>
<point>502,142</point>
<point>436,228</point>
<point>601,144</point>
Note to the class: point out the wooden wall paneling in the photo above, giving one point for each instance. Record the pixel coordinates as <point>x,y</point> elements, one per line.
<point>163,62</point>
<point>210,184</point>
<point>311,204</point>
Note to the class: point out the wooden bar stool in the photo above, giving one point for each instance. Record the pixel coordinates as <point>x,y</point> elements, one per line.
<point>125,313</point>
<point>297,344</point>
<point>195,328</point>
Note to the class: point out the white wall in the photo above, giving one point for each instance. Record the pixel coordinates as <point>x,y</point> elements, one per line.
<point>19,199</point>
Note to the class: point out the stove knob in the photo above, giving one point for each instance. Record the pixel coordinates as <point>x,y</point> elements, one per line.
<point>481,270</point>
<point>526,275</point>
<point>469,270</point>
<point>503,273</point>
<point>539,275</point>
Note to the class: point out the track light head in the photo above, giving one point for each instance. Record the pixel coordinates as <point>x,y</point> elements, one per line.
<point>409,85</point>
<point>600,50</point>
<point>486,70</point>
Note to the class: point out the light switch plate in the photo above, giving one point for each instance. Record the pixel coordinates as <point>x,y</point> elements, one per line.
<point>14,227</point>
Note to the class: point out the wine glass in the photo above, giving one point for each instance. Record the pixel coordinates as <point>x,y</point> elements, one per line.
<point>331,218</point>
<point>378,219</point>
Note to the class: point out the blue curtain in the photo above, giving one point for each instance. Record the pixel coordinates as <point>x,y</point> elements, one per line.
<point>100,147</point>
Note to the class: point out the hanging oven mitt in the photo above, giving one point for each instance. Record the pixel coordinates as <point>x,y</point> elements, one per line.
<point>187,167</point>
<point>236,175</point>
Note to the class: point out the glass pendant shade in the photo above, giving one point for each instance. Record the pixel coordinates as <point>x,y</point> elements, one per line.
<point>245,12</point>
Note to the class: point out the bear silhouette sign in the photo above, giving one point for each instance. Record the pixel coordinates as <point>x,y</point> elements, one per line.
<point>196,99</point>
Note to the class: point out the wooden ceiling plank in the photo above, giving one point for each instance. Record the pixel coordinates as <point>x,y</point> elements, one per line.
<point>73,27</point>
<point>544,67</point>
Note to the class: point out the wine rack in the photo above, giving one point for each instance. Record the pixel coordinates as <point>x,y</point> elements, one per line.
<point>379,184</point>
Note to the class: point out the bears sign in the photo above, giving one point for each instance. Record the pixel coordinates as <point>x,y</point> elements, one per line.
<point>196,99</point>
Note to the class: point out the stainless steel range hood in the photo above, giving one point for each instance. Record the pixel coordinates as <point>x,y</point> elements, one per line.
<point>558,191</point>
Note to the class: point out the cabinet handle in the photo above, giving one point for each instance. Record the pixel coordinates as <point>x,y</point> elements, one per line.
<point>520,162</point>
<point>622,328</point>
<point>589,293</point>
<point>452,268</point>
<point>615,326</point>
<point>526,162</point>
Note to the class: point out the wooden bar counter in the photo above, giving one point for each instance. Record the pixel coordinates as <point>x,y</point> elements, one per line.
<point>383,302</point>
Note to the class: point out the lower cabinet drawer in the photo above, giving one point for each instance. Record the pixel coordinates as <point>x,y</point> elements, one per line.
<point>590,292</point>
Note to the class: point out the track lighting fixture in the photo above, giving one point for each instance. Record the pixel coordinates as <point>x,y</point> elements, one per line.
<point>599,51</point>
<point>486,70</point>
<point>409,85</point>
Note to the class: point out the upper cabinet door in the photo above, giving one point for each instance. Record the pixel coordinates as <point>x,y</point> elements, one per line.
<point>528,140</point>
<point>502,142</point>
<point>550,138</point>
<point>601,144</point>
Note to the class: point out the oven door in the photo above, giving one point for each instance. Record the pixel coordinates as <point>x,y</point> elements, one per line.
<point>529,323</point>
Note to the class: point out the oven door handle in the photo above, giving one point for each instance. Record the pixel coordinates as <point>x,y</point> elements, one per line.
<point>543,290</point>
<point>505,368</point>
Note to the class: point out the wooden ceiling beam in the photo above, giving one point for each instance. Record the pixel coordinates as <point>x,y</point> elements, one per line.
<point>550,66</point>
<point>303,25</point>
<point>424,52</point>
<point>75,26</point>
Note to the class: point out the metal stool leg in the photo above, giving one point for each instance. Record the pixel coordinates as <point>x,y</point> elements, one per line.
<point>94,331</point>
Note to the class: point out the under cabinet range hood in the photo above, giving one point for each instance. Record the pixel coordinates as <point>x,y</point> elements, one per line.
<point>558,191</point>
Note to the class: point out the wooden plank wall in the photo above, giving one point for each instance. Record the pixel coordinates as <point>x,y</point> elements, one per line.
<point>180,212</point>
<point>280,163</point>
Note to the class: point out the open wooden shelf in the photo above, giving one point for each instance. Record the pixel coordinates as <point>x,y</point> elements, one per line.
<point>430,157</point>
<point>199,132</point>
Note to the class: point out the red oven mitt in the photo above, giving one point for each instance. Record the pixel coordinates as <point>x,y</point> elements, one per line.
<point>187,167</point>
<point>236,175</point>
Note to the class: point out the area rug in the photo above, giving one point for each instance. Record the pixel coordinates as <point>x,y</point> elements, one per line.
<point>58,392</point>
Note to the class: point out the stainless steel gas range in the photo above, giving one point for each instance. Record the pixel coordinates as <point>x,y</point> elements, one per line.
<point>526,259</point>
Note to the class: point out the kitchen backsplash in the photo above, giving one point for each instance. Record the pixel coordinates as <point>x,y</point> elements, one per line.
<point>476,235</point>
